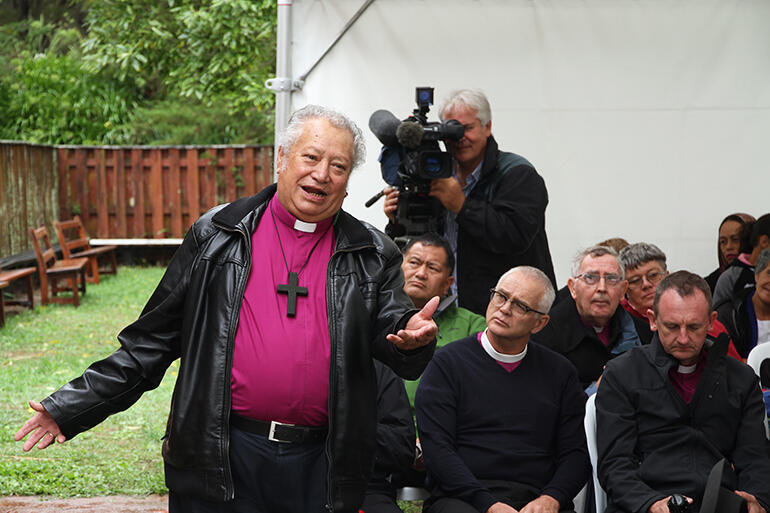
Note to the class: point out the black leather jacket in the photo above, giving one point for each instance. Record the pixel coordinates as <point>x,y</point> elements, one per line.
<point>193,315</point>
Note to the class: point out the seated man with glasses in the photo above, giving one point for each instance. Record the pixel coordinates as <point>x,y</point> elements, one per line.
<point>589,328</point>
<point>645,266</point>
<point>500,419</point>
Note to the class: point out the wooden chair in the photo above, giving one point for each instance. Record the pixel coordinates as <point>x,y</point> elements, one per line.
<point>73,240</point>
<point>17,274</point>
<point>52,270</point>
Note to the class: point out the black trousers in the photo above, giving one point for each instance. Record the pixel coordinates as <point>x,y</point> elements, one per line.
<point>269,477</point>
<point>515,495</point>
<point>380,502</point>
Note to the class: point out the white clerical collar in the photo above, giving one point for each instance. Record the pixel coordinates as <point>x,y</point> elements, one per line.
<point>302,226</point>
<point>288,219</point>
<point>687,369</point>
<point>500,357</point>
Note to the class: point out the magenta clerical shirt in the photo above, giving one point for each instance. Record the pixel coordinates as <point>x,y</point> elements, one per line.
<point>280,363</point>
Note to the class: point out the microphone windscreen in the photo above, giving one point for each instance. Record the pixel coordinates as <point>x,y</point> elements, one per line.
<point>409,134</point>
<point>383,125</point>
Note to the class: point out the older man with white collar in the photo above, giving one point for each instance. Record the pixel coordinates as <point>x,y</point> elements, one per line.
<point>500,419</point>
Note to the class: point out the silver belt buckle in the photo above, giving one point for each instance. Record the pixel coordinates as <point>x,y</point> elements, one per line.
<point>271,434</point>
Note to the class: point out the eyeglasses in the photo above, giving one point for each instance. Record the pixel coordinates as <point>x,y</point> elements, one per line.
<point>498,300</point>
<point>652,277</point>
<point>595,278</point>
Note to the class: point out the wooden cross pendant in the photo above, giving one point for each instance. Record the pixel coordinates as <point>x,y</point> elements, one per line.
<point>292,290</point>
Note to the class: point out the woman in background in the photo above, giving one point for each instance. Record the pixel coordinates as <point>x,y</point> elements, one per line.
<point>730,244</point>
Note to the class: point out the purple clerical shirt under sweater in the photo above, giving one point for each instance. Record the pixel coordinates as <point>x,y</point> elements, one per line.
<point>280,363</point>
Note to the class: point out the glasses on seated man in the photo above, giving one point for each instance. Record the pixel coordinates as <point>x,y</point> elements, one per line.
<point>498,300</point>
<point>595,278</point>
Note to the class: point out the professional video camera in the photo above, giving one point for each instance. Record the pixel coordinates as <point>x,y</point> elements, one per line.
<point>411,158</point>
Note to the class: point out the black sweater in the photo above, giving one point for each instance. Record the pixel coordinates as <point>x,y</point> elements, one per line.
<point>479,422</point>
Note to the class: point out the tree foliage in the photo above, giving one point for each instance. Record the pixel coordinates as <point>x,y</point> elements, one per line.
<point>53,99</point>
<point>47,95</point>
<point>133,65</point>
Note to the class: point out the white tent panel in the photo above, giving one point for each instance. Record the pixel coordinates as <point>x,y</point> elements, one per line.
<point>648,119</point>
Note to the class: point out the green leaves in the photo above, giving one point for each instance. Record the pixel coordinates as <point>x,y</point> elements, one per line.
<point>54,99</point>
<point>139,57</point>
<point>193,49</point>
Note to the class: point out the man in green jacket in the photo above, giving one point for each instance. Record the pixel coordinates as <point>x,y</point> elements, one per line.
<point>427,265</point>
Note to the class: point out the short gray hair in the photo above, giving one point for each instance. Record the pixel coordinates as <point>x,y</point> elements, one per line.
<point>595,252</point>
<point>471,98</point>
<point>296,126</point>
<point>634,255</point>
<point>547,299</point>
<point>762,260</point>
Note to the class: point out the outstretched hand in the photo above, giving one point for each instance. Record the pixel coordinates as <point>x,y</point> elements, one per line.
<point>420,329</point>
<point>46,430</point>
<point>752,504</point>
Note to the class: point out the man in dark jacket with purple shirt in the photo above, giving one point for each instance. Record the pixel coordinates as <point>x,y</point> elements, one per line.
<point>669,411</point>
<point>500,419</point>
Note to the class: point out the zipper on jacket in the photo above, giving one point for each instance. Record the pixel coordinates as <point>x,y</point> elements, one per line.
<point>332,370</point>
<point>332,380</point>
<point>227,399</point>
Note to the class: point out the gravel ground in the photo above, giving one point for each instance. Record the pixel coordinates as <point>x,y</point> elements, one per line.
<point>112,504</point>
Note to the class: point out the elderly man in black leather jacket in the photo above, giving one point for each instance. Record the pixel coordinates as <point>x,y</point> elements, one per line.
<point>194,314</point>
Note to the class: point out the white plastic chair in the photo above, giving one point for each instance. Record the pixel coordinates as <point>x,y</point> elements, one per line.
<point>412,493</point>
<point>757,355</point>
<point>600,498</point>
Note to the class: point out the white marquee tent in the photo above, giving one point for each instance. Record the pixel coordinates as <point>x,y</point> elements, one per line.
<point>648,119</point>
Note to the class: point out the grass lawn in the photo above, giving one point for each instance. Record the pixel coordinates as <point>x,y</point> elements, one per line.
<point>40,350</point>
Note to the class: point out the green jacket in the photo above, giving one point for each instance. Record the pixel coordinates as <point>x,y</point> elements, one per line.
<point>453,323</point>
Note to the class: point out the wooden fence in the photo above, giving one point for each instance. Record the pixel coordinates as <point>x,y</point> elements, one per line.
<point>28,184</point>
<point>126,192</point>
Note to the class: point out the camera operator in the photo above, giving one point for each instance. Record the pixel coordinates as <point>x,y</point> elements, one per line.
<point>495,205</point>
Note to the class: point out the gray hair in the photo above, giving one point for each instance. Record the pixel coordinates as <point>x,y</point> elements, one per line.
<point>549,295</point>
<point>634,255</point>
<point>471,98</point>
<point>296,126</point>
<point>595,252</point>
<point>762,260</point>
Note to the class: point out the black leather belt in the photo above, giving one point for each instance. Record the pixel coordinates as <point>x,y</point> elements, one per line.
<point>278,431</point>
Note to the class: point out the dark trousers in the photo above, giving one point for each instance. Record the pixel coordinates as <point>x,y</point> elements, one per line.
<point>269,477</point>
<point>515,495</point>
<point>380,502</point>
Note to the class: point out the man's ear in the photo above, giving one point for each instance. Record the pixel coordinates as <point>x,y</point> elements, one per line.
<point>653,321</point>
<point>448,283</point>
<point>541,322</point>
<point>571,287</point>
<point>488,128</point>
<point>279,160</point>
<point>712,319</point>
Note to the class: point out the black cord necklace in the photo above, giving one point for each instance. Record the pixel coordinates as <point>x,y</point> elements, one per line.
<point>292,289</point>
